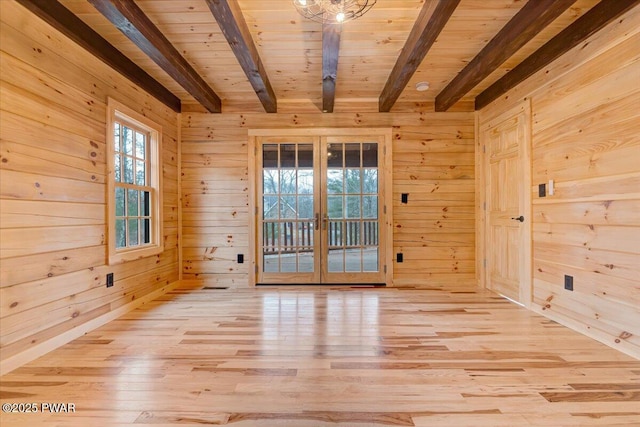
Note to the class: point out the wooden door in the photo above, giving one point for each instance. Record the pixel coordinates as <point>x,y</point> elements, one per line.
<point>506,142</point>
<point>321,213</point>
<point>351,209</point>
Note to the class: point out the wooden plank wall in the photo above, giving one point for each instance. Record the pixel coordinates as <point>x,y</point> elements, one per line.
<point>53,187</point>
<point>586,137</point>
<point>433,161</point>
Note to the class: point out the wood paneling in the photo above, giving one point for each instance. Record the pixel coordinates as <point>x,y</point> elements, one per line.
<point>585,137</point>
<point>53,188</point>
<point>432,161</point>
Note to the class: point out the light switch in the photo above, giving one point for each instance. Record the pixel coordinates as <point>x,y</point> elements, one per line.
<point>551,188</point>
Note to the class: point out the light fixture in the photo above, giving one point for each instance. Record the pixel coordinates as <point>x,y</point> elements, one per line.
<point>333,11</point>
<point>422,86</point>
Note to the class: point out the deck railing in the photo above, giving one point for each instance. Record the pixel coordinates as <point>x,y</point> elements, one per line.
<point>280,237</point>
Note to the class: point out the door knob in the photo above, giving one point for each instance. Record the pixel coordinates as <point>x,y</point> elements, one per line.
<point>520,218</point>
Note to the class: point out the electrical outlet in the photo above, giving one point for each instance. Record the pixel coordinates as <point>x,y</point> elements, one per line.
<point>240,258</point>
<point>399,257</point>
<point>405,198</point>
<point>568,282</point>
<point>109,280</point>
<point>542,190</point>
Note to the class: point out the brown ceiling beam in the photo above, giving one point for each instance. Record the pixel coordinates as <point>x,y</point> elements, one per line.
<point>131,20</point>
<point>432,19</point>
<point>235,29</point>
<point>63,20</point>
<point>525,25</point>
<point>330,53</point>
<point>585,26</point>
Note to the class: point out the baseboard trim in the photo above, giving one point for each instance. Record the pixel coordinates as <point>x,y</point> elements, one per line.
<point>51,344</point>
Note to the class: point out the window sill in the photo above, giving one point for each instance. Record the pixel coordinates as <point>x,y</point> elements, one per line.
<point>134,254</point>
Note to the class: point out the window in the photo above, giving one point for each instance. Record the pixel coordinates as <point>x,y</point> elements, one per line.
<point>135,215</point>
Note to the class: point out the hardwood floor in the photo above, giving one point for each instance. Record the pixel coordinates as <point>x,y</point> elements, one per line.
<point>327,356</point>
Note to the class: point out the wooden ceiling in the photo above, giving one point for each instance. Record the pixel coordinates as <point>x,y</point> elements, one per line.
<point>261,55</point>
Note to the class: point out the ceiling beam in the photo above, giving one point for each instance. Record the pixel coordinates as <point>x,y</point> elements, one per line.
<point>432,19</point>
<point>235,29</point>
<point>63,20</point>
<point>534,16</point>
<point>585,26</point>
<point>330,53</point>
<point>131,20</point>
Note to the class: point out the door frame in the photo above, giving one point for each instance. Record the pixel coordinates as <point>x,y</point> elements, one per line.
<point>385,192</point>
<point>489,118</point>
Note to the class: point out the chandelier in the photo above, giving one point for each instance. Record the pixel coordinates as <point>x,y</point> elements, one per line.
<point>333,11</point>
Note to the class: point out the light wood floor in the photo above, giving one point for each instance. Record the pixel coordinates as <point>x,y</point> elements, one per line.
<point>320,356</point>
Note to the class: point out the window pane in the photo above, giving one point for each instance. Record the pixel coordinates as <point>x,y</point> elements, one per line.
<point>128,140</point>
<point>119,201</point>
<point>116,137</point>
<point>133,232</point>
<point>140,145</point>
<point>352,155</point>
<point>270,156</point>
<point>145,199</point>
<point>132,202</point>
<point>121,234</point>
<point>118,168</point>
<point>140,173</point>
<point>128,170</point>
<point>287,156</point>
<point>353,181</point>
<point>145,230</point>
<point>334,155</point>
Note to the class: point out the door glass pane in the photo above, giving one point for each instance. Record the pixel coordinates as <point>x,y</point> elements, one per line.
<point>305,181</point>
<point>335,181</point>
<point>270,181</point>
<point>353,206</point>
<point>353,181</point>
<point>334,206</point>
<point>334,155</point>
<point>305,156</point>
<point>370,155</point>
<point>288,207</point>
<point>287,156</point>
<point>270,156</point>
<point>353,260</point>
<point>288,210</point>
<point>352,155</point>
<point>305,206</point>
<point>370,181</point>
<point>370,207</point>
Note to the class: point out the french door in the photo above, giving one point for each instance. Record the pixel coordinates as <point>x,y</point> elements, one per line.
<point>320,210</point>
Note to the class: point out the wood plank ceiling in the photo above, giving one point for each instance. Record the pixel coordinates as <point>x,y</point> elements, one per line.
<point>260,55</point>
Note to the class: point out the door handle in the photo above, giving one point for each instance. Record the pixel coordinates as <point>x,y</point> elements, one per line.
<point>325,220</point>
<point>520,218</point>
<point>316,221</point>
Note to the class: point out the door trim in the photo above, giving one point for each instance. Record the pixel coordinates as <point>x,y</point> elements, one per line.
<point>488,120</point>
<point>386,219</point>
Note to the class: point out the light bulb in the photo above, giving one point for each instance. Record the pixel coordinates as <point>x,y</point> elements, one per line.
<point>302,2</point>
<point>340,17</point>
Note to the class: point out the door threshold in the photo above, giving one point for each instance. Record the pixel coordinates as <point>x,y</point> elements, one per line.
<point>346,285</point>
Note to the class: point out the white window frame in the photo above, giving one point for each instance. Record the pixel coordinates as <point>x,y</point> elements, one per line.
<point>118,112</point>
